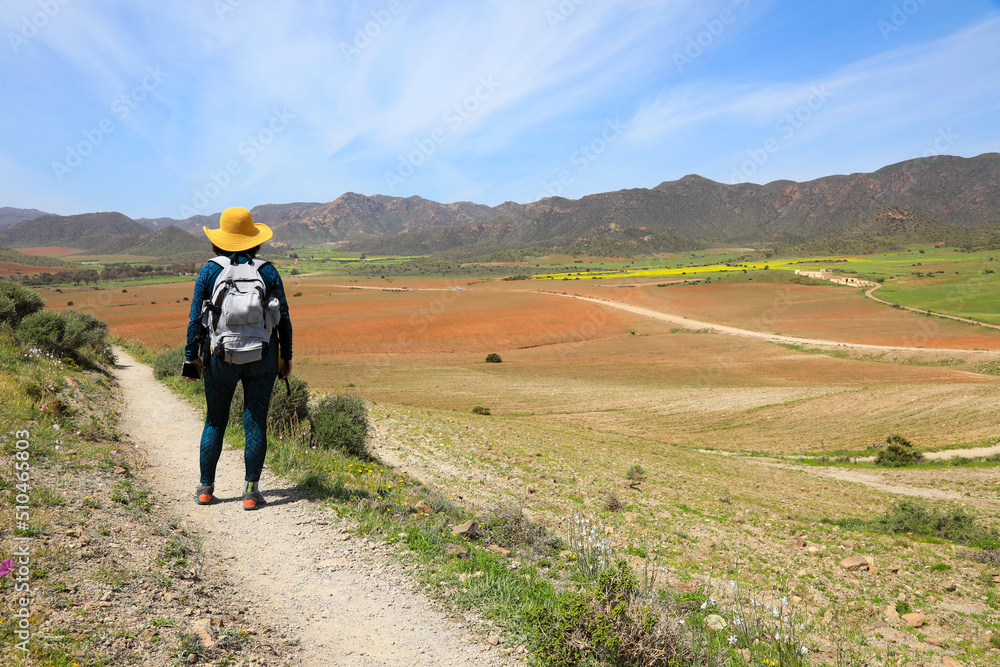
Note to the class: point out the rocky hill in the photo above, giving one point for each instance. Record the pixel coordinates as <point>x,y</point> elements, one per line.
<point>954,191</point>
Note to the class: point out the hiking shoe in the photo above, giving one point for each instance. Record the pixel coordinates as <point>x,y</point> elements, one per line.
<point>203,494</point>
<point>252,500</point>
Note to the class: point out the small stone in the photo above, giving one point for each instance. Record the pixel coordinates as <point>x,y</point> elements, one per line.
<point>422,508</point>
<point>531,489</point>
<point>204,635</point>
<point>914,619</point>
<point>715,622</point>
<point>493,640</point>
<point>456,550</point>
<point>467,529</point>
<point>797,543</point>
<point>949,661</point>
<point>950,586</point>
<point>891,613</point>
<point>119,470</point>
<point>497,549</point>
<point>75,531</point>
<point>854,563</point>
<point>935,641</point>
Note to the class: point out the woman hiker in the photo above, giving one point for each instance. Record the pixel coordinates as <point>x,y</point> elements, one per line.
<point>227,352</point>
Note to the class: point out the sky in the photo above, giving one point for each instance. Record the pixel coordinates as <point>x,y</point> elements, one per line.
<point>187,107</point>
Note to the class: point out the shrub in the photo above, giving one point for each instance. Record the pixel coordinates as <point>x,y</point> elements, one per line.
<point>612,502</point>
<point>610,623</point>
<point>480,410</point>
<point>636,473</point>
<point>341,422</point>
<point>17,301</point>
<point>168,363</point>
<point>899,452</point>
<point>493,358</point>
<point>77,335</point>
<point>955,524</point>
<point>506,526</point>
<point>286,409</point>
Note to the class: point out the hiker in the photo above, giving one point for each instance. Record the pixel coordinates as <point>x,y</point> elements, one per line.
<point>239,331</point>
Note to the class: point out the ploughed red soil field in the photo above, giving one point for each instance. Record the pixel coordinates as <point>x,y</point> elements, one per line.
<point>50,251</point>
<point>6,269</point>
<point>577,364</point>
<point>334,320</point>
<point>831,313</point>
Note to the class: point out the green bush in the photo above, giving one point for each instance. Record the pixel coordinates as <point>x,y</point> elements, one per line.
<point>341,422</point>
<point>899,452</point>
<point>636,473</point>
<point>77,335</point>
<point>480,410</point>
<point>493,358</point>
<point>955,524</point>
<point>168,364</point>
<point>286,410</point>
<point>17,301</point>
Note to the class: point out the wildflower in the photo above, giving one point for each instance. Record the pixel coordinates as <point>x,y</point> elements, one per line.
<point>6,566</point>
<point>704,604</point>
<point>804,650</point>
<point>732,639</point>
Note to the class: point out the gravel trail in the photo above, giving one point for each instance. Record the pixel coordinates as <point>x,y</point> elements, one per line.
<point>347,600</point>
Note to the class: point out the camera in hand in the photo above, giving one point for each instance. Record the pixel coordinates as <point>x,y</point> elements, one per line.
<point>190,370</point>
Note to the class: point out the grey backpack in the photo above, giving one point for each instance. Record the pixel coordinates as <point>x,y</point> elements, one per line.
<point>239,316</point>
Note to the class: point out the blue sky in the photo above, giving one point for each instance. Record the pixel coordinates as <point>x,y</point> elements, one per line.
<point>177,108</point>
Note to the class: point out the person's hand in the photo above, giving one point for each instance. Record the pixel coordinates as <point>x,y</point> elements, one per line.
<point>284,368</point>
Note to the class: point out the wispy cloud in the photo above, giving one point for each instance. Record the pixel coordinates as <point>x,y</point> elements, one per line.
<point>505,91</point>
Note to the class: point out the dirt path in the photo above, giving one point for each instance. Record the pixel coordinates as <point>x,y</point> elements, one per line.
<point>346,600</point>
<point>735,331</point>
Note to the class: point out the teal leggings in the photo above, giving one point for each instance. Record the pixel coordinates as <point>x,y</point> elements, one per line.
<point>220,384</point>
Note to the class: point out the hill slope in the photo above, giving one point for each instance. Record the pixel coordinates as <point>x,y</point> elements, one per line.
<point>953,190</point>
<point>956,191</point>
<point>168,241</point>
<point>8,256</point>
<point>85,231</point>
<point>11,216</point>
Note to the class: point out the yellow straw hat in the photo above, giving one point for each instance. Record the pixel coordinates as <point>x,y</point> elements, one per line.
<point>237,231</point>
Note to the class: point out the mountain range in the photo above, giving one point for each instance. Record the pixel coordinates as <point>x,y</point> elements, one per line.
<point>948,191</point>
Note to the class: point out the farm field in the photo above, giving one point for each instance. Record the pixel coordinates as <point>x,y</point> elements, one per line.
<point>716,421</point>
<point>585,366</point>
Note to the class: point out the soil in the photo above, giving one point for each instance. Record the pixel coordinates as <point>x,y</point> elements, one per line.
<point>737,331</point>
<point>347,600</point>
